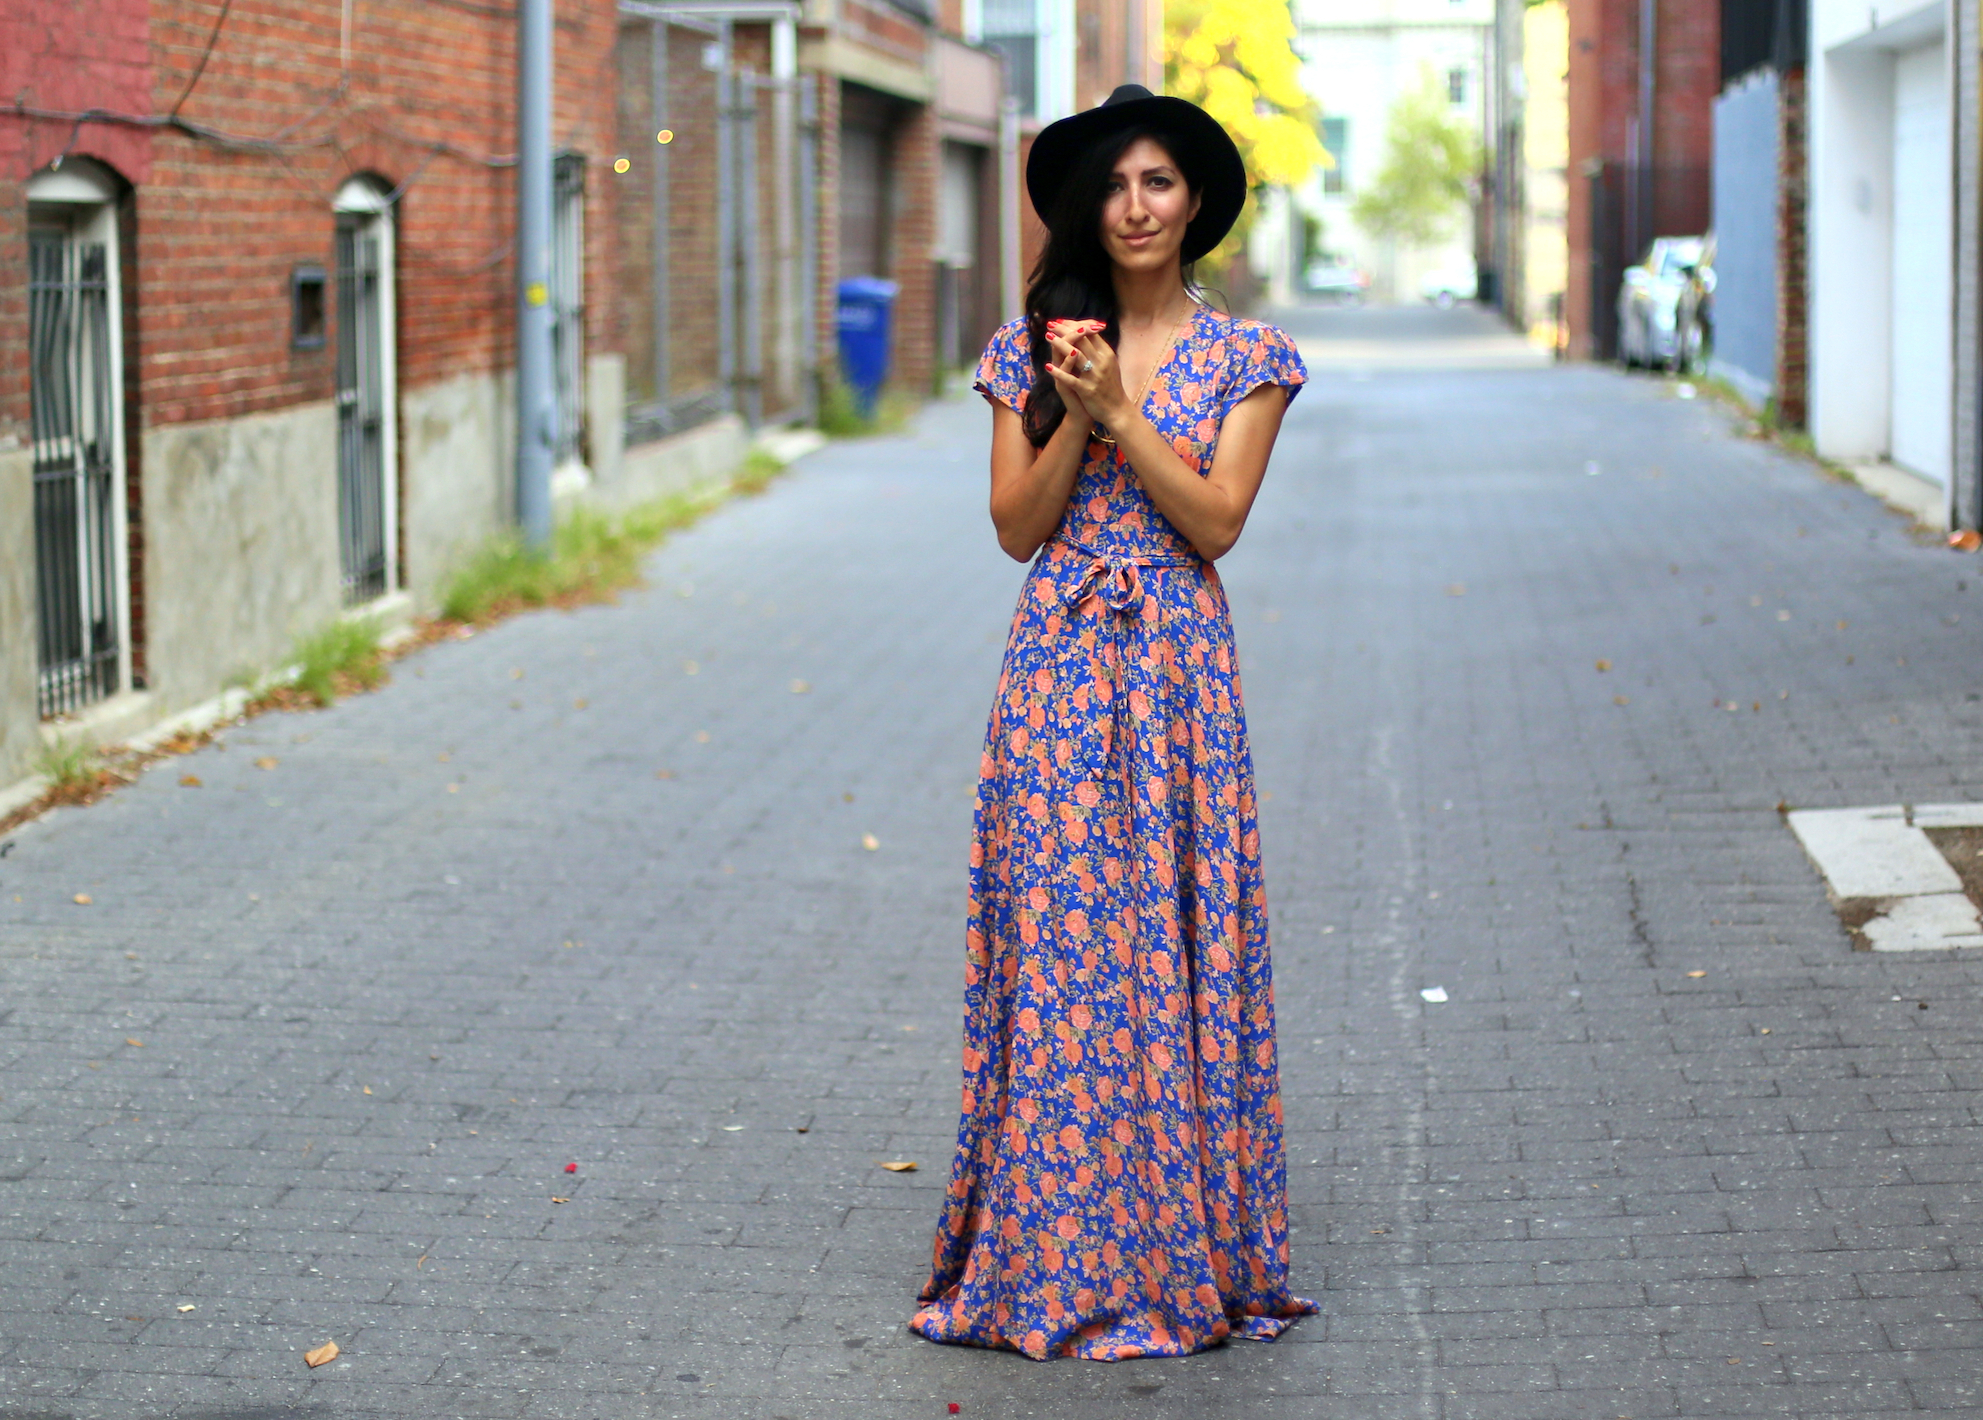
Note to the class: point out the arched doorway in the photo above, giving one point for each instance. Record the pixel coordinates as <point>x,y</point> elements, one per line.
<point>367,392</point>
<point>76,418</point>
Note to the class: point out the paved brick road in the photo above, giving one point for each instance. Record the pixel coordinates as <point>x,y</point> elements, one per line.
<point>462,934</point>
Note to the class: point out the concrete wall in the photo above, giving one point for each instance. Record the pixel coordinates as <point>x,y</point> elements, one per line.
<point>20,741</point>
<point>1745,196</point>
<point>1851,219</point>
<point>678,463</point>
<point>241,546</point>
<point>457,456</point>
<point>1851,225</point>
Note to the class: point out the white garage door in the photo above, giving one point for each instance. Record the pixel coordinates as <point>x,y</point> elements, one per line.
<point>1922,294</point>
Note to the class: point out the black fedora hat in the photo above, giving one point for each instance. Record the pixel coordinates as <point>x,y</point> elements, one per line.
<point>1202,148</point>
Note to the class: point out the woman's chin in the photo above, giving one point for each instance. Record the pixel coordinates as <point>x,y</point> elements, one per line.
<point>1148,257</point>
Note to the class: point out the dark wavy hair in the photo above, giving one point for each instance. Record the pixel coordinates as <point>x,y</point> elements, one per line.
<point>1072,279</point>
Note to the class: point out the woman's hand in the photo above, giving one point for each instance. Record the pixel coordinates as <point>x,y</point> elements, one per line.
<point>1088,378</point>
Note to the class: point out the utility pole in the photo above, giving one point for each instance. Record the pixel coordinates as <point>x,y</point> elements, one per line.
<point>536,402</point>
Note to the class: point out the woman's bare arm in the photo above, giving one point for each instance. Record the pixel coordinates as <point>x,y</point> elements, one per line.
<point>1030,487</point>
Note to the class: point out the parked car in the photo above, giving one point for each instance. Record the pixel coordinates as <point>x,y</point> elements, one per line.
<point>1695,321</point>
<point>1649,299</point>
<point>1336,280</point>
<point>1451,286</point>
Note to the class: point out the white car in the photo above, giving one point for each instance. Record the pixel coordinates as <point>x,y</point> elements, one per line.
<point>1447,288</point>
<point>1649,302</point>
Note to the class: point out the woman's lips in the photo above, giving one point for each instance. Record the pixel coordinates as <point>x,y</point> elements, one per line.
<point>1137,239</point>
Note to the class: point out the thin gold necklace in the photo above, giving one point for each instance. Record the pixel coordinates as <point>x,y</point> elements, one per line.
<point>1100,431</point>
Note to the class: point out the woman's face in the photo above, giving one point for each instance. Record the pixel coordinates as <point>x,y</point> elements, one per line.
<point>1146,209</point>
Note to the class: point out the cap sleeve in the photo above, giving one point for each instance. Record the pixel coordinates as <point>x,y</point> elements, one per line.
<point>1005,372</point>
<point>1261,355</point>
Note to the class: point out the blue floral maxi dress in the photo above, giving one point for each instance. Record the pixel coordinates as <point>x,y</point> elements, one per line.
<point>1119,1187</point>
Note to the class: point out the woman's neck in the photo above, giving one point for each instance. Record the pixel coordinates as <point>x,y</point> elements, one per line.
<point>1149,298</point>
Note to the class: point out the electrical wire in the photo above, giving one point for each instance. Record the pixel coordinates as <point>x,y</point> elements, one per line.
<point>213,38</point>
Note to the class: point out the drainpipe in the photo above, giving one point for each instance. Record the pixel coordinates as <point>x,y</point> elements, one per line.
<point>536,403</point>
<point>785,134</point>
<point>1648,91</point>
<point>726,216</point>
<point>1010,296</point>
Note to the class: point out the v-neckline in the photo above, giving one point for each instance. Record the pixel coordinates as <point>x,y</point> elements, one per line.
<point>1188,320</point>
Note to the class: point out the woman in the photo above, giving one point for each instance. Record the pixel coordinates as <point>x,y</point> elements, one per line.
<point>1119,1188</point>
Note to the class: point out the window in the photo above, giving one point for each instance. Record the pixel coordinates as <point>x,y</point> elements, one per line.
<point>1336,138</point>
<point>1012,28</point>
<point>1456,86</point>
<point>75,412</point>
<point>306,308</point>
<point>367,392</point>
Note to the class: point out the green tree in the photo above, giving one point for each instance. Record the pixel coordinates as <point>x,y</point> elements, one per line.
<point>1431,157</point>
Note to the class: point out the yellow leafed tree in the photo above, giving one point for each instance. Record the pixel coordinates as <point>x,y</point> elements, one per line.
<point>1235,59</point>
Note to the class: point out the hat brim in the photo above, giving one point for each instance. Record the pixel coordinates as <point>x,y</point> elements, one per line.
<point>1208,151</point>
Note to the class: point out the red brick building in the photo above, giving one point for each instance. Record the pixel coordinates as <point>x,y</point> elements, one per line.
<point>257,294</point>
<point>1644,75</point>
<point>255,309</point>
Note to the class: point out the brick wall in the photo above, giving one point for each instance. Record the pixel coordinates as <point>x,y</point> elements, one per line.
<point>426,106</point>
<point>916,155</point>
<point>1792,381</point>
<point>1603,99</point>
<point>59,58</point>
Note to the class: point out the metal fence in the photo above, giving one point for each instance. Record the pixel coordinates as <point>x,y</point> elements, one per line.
<point>72,415</point>
<point>568,305</point>
<point>361,413</point>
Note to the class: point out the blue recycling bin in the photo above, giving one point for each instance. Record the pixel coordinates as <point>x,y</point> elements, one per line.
<point>866,305</point>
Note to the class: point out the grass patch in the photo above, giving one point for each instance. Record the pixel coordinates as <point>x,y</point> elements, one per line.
<point>342,659</point>
<point>840,415</point>
<point>594,555</point>
<point>70,768</point>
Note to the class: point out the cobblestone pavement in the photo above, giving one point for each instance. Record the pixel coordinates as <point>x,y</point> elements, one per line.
<point>591,888</point>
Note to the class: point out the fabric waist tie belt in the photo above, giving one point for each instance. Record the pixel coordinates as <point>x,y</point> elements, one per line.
<point>1114,576</point>
<point>1115,579</point>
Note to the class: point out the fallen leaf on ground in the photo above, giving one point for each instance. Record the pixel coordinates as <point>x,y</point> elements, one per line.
<point>898,1166</point>
<point>322,1355</point>
<point>421,1263</point>
<point>267,761</point>
<point>870,842</point>
<point>1621,700</point>
<point>133,1040</point>
<point>733,1128</point>
<point>800,687</point>
<point>188,1308</point>
<point>189,781</point>
<point>580,704</point>
<point>368,1089</point>
<point>664,774</point>
<point>1697,975</point>
<point>82,899</point>
<point>1968,540</point>
<point>1604,665</point>
<point>1457,589</point>
<point>556,1199</point>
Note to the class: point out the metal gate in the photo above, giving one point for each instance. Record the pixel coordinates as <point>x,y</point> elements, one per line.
<point>73,387</point>
<point>568,305</point>
<point>361,410</point>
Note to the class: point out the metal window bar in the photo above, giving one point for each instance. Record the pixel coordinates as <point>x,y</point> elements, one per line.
<point>72,421</point>
<point>568,305</point>
<point>361,484</point>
